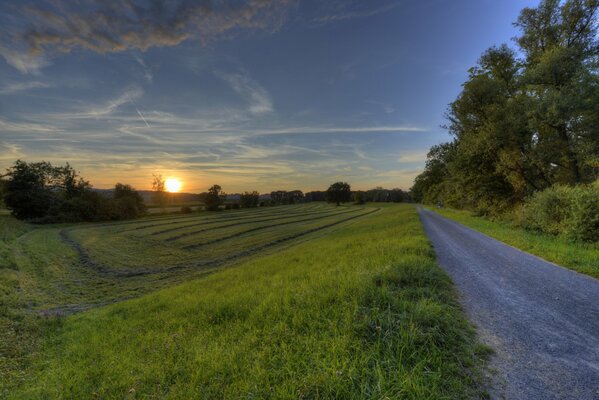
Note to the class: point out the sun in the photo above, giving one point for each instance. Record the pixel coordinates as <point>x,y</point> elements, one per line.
<point>172,185</point>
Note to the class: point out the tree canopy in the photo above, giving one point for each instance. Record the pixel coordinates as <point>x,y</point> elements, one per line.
<point>42,192</point>
<point>339,192</point>
<point>523,123</point>
<point>214,198</point>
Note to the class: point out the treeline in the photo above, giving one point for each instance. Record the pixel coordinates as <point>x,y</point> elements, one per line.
<point>43,193</point>
<point>526,120</point>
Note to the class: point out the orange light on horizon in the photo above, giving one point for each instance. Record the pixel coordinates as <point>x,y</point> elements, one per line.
<point>172,185</point>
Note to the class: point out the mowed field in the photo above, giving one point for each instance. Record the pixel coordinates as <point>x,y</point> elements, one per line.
<point>316,301</point>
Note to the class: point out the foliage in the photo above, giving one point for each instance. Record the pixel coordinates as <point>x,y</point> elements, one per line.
<point>128,203</point>
<point>43,193</point>
<point>565,210</point>
<point>381,195</point>
<point>185,210</point>
<point>158,186</point>
<point>249,199</point>
<point>522,124</point>
<point>337,316</point>
<point>359,197</point>
<point>339,192</point>
<point>287,197</point>
<point>214,198</point>
<point>317,195</point>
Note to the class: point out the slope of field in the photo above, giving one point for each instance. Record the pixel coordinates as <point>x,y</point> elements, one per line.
<point>580,257</point>
<point>50,271</point>
<point>361,312</point>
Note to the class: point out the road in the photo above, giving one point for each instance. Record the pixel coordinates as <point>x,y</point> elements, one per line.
<point>542,320</point>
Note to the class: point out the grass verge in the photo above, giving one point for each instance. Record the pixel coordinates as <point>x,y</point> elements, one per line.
<point>580,257</point>
<point>363,312</point>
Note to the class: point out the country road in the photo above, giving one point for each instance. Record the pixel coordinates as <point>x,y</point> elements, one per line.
<point>542,320</point>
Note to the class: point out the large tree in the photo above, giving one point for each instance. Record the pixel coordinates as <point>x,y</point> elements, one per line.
<point>339,192</point>
<point>34,190</point>
<point>522,124</point>
<point>214,198</point>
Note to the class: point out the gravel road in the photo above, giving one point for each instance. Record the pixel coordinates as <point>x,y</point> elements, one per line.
<point>541,319</point>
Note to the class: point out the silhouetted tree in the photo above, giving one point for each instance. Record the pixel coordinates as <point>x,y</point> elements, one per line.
<point>159,195</point>
<point>214,198</point>
<point>339,192</point>
<point>359,197</point>
<point>249,199</point>
<point>128,203</point>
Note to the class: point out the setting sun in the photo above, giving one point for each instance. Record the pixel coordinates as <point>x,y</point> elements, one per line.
<point>172,185</point>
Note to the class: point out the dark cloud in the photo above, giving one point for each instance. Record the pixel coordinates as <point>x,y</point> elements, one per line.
<point>33,31</point>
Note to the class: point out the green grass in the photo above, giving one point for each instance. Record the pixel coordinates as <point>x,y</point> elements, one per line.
<point>362,311</point>
<point>581,257</point>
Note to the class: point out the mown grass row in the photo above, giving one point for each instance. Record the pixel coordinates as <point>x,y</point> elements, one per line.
<point>362,312</point>
<point>578,256</point>
<point>44,272</point>
<point>122,253</point>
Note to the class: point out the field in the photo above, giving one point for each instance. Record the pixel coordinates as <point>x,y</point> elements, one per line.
<point>578,256</point>
<point>317,302</point>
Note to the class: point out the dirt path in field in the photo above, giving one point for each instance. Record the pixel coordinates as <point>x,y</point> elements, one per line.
<point>541,319</point>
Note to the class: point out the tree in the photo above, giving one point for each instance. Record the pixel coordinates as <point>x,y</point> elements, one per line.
<point>35,190</point>
<point>159,195</point>
<point>359,197</point>
<point>249,199</point>
<point>214,198</point>
<point>339,192</point>
<point>128,203</point>
<point>521,125</point>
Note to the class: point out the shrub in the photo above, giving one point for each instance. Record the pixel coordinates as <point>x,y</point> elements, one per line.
<point>564,210</point>
<point>185,210</point>
<point>583,221</point>
<point>235,206</point>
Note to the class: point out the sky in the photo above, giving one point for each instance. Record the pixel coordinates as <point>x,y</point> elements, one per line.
<point>252,95</point>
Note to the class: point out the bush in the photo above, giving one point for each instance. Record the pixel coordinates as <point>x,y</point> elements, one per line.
<point>564,210</point>
<point>185,210</point>
<point>235,206</point>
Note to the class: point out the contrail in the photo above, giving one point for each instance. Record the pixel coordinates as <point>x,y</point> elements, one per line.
<point>139,112</point>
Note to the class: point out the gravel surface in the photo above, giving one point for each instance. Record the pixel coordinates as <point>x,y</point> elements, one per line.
<point>541,319</point>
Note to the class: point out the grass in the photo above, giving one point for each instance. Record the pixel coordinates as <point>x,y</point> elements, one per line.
<point>580,257</point>
<point>357,308</point>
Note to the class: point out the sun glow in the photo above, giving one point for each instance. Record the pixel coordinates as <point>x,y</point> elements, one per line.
<point>172,185</point>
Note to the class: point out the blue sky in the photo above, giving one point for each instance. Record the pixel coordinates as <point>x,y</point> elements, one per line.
<point>258,94</point>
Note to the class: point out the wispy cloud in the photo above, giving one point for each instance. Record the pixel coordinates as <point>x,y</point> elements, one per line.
<point>341,129</point>
<point>258,98</point>
<point>348,10</point>
<point>22,86</point>
<point>413,157</point>
<point>58,26</point>
<point>147,72</point>
<point>112,105</point>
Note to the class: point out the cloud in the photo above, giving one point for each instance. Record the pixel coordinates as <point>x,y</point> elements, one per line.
<point>413,157</point>
<point>27,63</point>
<point>341,129</point>
<point>258,98</point>
<point>59,26</point>
<point>346,10</point>
<point>22,86</point>
<point>111,106</point>
<point>147,72</point>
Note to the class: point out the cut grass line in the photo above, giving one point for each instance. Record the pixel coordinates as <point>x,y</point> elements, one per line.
<point>87,260</point>
<point>213,217</point>
<point>210,228</point>
<point>259,228</point>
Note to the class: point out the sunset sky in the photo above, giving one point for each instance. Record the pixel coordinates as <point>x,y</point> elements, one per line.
<point>257,95</point>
